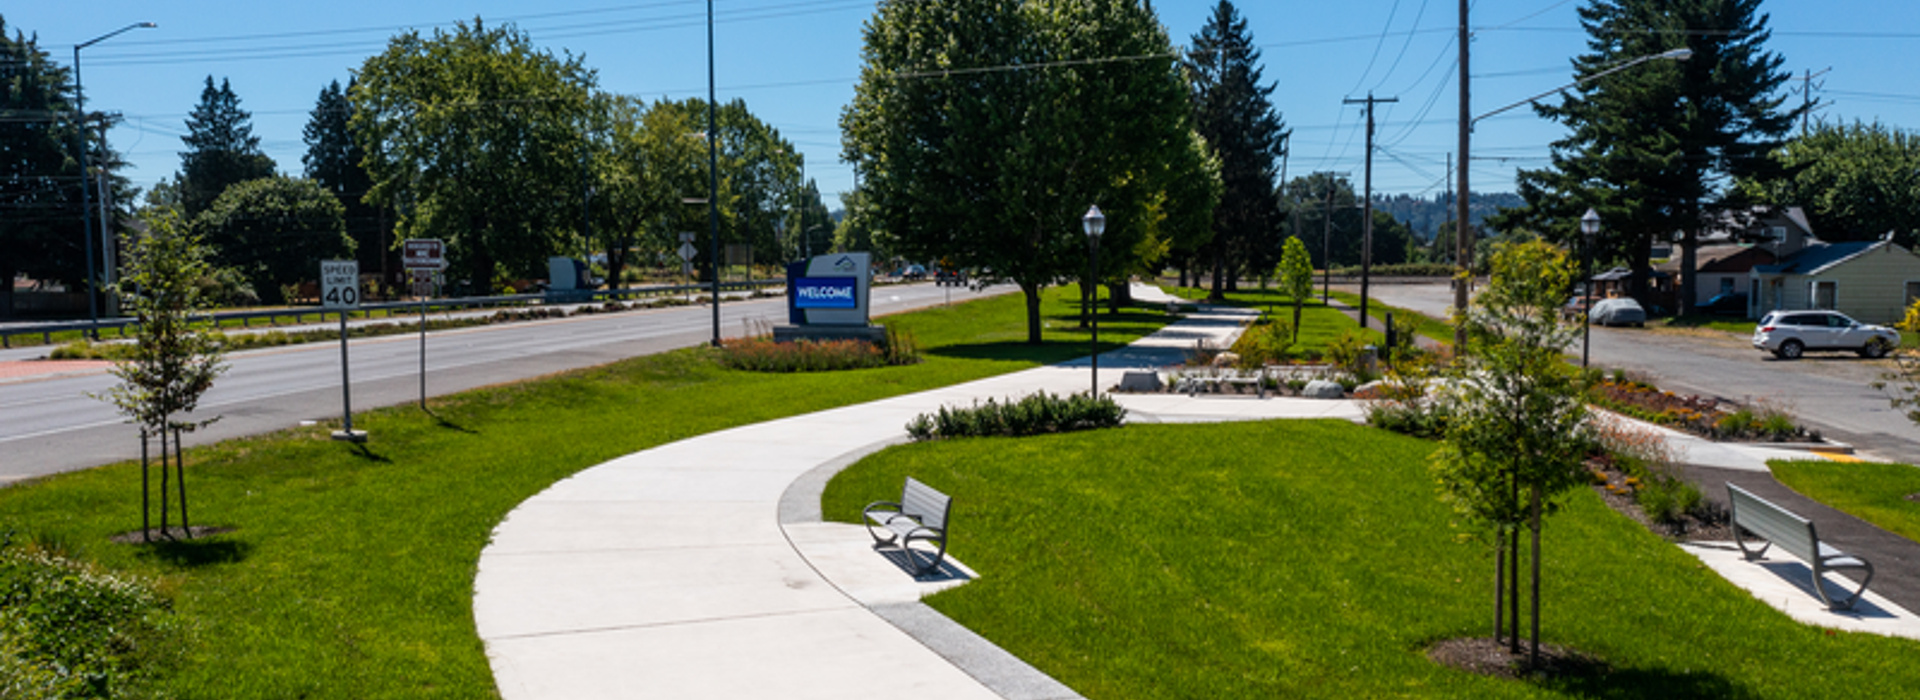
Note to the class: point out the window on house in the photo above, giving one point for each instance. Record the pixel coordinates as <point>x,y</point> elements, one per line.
<point>1777,233</point>
<point>1726,285</point>
<point>1824,292</point>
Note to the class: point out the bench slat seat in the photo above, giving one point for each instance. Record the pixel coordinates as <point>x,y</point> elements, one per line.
<point>1796,535</point>
<point>921,515</point>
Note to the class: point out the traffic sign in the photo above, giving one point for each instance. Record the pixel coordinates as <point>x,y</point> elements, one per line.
<point>339,284</point>
<point>687,251</point>
<point>423,254</point>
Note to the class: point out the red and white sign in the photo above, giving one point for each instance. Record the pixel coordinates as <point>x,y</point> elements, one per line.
<point>423,254</point>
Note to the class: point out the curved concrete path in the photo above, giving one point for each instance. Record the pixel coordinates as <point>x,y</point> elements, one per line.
<point>669,573</point>
<point>700,569</point>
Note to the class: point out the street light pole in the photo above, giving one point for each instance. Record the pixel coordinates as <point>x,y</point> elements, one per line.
<point>1095,224</point>
<point>1589,229</point>
<point>713,183</point>
<point>86,197</point>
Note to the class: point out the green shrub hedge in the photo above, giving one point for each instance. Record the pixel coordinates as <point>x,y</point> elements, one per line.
<point>1034,415</point>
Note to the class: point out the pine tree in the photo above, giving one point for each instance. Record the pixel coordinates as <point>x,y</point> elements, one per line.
<point>1234,111</point>
<point>1652,148</point>
<point>39,178</point>
<point>222,149</point>
<point>333,160</point>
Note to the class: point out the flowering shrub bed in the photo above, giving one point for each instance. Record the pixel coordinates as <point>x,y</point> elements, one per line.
<point>1701,416</point>
<point>68,630</point>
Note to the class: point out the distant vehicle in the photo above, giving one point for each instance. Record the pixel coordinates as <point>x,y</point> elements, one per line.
<point>1619,311</point>
<point>912,272</point>
<point>1788,334</point>
<point>1574,307</point>
<point>1726,304</point>
<point>956,278</point>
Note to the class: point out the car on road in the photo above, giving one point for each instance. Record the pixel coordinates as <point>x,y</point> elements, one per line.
<point>1619,311</point>
<point>1725,304</point>
<point>1788,334</point>
<point>912,272</point>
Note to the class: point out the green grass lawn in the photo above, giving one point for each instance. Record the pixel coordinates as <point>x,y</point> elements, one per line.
<point>1872,491</point>
<point>350,571</point>
<point>1314,559</point>
<point>1725,324</point>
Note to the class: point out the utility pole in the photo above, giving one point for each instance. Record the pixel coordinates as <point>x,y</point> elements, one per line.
<point>1366,216</point>
<point>1449,180</point>
<point>1806,95</point>
<point>1462,227</point>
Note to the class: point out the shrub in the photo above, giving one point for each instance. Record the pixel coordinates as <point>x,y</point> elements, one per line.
<point>68,630</point>
<point>1036,414</point>
<point>1650,470</point>
<point>765,355</point>
<point>1265,342</point>
<point>1349,354</point>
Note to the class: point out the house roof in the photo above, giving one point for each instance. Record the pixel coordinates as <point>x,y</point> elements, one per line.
<point>1817,257</point>
<point>1723,258</point>
<point>1728,226</point>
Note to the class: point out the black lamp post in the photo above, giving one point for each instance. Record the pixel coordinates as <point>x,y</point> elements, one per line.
<point>1589,228</point>
<point>1095,224</point>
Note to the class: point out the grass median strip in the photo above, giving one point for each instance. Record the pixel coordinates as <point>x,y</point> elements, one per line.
<point>1314,559</point>
<point>350,571</point>
<point>1887,495</point>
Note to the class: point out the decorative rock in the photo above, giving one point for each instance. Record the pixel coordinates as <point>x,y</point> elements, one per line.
<point>1226,359</point>
<point>1323,389</point>
<point>1146,382</point>
<point>1370,390</point>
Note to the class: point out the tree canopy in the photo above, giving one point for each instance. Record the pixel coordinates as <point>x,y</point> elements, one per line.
<point>1234,111</point>
<point>333,162</point>
<point>221,149</point>
<point>275,231</point>
<point>475,137</point>
<point>1855,182</point>
<point>983,130</point>
<point>1655,149</point>
<point>39,177</point>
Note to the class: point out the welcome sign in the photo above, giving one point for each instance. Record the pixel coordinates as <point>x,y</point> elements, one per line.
<point>828,290</point>
<point>826,293</point>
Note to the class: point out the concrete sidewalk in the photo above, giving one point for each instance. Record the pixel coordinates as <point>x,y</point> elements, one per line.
<point>701,569</point>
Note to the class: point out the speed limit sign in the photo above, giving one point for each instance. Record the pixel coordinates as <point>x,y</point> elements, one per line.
<point>339,284</point>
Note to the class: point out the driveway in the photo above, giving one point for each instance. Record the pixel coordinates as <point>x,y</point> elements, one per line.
<point>1830,392</point>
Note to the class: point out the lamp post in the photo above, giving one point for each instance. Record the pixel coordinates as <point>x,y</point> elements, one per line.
<point>713,183</point>
<point>1589,228</point>
<point>86,199</point>
<point>1095,223</point>
<point>1465,229</point>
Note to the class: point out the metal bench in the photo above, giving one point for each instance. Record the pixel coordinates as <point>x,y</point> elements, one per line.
<point>1795,535</point>
<point>921,515</point>
<point>1229,377</point>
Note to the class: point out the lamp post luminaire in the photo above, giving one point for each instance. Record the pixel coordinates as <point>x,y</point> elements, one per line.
<point>1464,230</point>
<point>1095,224</point>
<point>86,197</point>
<point>1589,229</point>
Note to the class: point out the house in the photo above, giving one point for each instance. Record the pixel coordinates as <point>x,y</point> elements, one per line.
<point>1722,268</point>
<point>1872,281</point>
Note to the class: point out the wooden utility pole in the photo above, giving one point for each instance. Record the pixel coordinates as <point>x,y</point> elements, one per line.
<point>1463,227</point>
<point>1366,215</point>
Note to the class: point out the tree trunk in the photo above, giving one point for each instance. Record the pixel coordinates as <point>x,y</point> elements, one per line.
<point>1119,296</point>
<point>1684,296</point>
<point>1218,295</point>
<point>1032,292</point>
<point>1534,653</point>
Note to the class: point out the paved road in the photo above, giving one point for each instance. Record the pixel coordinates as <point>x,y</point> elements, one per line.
<point>1827,391</point>
<point>52,424</point>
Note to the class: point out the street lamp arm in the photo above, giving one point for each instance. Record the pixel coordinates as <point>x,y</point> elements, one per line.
<point>1680,54</point>
<point>114,33</point>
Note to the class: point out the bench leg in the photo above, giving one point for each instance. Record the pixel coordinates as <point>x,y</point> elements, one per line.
<point>913,558</point>
<point>1820,586</point>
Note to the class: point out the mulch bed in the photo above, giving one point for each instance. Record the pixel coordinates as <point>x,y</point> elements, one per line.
<point>1713,524</point>
<point>1489,657</point>
<point>172,533</point>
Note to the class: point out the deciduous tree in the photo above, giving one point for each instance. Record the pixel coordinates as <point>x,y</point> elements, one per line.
<point>1855,182</point>
<point>1296,278</point>
<point>275,231</point>
<point>1516,411</point>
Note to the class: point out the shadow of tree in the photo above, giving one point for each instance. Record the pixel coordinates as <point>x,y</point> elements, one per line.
<point>197,552</point>
<point>1633,683</point>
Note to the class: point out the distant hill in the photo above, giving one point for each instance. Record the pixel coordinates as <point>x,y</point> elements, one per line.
<point>1424,216</point>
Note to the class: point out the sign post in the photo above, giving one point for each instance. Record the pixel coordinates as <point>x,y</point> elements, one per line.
<point>340,289</point>
<point>423,258</point>
<point>687,251</point>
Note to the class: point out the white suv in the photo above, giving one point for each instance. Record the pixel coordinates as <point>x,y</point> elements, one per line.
<point>1787,334</point>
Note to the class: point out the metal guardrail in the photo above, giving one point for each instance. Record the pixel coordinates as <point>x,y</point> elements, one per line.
<point>120,326</point>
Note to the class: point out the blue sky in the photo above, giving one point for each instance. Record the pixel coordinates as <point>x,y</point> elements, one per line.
<point>795,63</point>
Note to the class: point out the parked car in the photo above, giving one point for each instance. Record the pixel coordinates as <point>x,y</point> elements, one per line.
<point>956,278</point>
<point>912,272</point>
<point>1726,304</point>
<point>1788,334</point>
<point>1618,312</point>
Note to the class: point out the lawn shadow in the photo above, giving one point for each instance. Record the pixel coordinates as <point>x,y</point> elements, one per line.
<point>1047,352</point>
<point>360,449</point>
<point>1648,683</point>
<point>450,425</point>
<point>197,552</point>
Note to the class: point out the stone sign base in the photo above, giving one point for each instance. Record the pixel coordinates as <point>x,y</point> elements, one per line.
<point>871,334</point>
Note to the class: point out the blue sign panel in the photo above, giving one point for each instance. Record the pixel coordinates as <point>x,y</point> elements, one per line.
<point>826,293</point>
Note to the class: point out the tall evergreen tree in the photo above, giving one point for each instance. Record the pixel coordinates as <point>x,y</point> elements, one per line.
<point>1234,111</point>
<point>39,177</point>
<point>333,161</point>
<point>222,149</point>
<point>1654,149</point>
